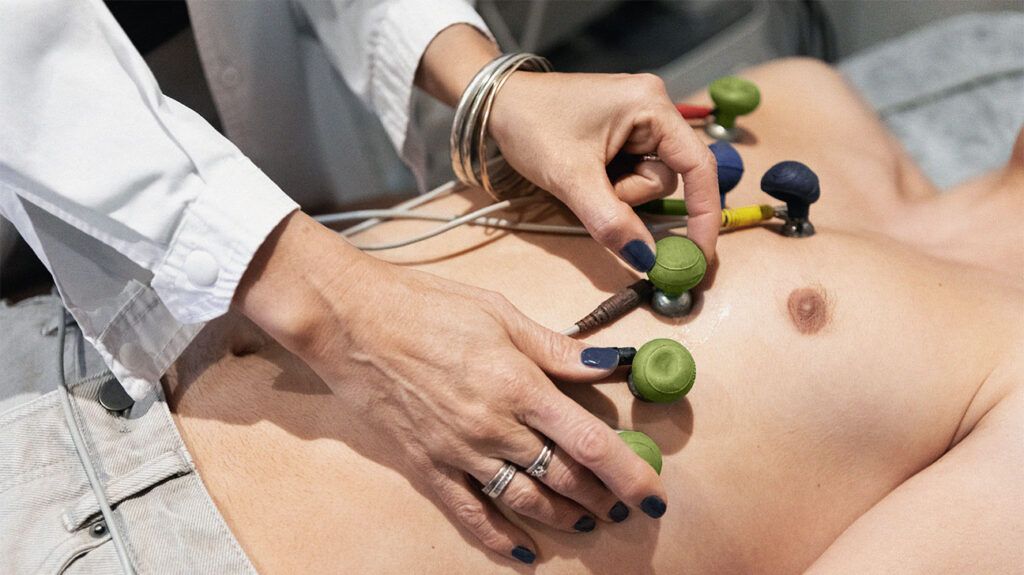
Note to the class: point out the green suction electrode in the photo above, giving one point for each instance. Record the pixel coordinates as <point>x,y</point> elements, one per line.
<point>733,96</point>
<point>643,446</point>
<point>662,372</point>
<point>679,265</point>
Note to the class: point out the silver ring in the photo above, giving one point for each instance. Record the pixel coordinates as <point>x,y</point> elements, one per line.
<point>500,481</point>
<point>539,467</point>
<point>651,158</point>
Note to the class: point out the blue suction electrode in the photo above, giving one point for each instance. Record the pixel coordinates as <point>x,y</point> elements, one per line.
<point>730,167</point>
<point>797,186</point>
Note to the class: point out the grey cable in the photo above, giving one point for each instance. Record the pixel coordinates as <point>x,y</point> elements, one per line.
<point>571,330</point>
<point>474,218</point>
<point>83,452</point>
<point>487,222</point>
<point>438,192</point>
<point>448,226</point>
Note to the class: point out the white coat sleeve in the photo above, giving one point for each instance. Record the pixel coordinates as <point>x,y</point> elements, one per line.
<point>376,46</point>
<point>146,217</point>
<point>89,139</point>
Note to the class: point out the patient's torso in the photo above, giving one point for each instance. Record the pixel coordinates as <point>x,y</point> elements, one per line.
<point>829,370</point>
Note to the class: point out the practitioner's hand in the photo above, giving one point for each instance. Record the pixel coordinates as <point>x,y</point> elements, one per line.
<point>454,379</point>
<point>562,130</point>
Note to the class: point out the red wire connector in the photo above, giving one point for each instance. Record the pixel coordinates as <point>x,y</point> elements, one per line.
<point>694,112</point>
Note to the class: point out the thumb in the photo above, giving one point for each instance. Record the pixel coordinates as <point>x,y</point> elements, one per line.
<point>560,356</point>
<point>610,220</point>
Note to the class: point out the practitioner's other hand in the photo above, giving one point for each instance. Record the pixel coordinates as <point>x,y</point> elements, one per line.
<point>561,131</point>
<point>454,379</point>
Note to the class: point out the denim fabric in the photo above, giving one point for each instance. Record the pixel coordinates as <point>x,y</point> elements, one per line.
<point>49,517</point>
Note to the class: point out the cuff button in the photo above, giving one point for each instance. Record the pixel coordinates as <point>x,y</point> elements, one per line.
<point>201,268</point>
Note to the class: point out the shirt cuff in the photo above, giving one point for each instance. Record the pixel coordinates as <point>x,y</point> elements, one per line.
<point>395,52</point>
<point>216,239</point>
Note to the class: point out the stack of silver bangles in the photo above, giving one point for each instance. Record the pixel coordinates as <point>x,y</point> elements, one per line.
<point>469,129</point>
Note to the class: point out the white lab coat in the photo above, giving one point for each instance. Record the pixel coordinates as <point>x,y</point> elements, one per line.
<point>144,214</point>
<point>320,104</point>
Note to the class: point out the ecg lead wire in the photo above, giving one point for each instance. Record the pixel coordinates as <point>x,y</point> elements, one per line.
<point>613,308</point>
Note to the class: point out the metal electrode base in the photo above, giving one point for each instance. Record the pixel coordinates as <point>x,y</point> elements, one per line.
<point>719,132</point>
<point>634,390</point>
<point>669,306</point>
<point>797,228</point>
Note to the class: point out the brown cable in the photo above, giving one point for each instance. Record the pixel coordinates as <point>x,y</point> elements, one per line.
<point>617,306</point>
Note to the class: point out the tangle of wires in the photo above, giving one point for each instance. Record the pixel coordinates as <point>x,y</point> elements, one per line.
<point>818,33</point>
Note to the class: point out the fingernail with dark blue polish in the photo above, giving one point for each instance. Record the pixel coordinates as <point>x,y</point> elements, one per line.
<point>619,512</point>
<point>586,524</point>
<point>638,255</point>
<point>653,506</point>
<point>600,357</point>
<point>523,554</point>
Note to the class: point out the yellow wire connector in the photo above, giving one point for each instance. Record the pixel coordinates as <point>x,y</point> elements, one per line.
<point>746,216</point>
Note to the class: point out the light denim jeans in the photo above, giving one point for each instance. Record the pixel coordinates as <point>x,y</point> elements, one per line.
<point>50,519</point>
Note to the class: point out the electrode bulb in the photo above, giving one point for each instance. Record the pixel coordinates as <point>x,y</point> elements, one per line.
<point>796,185</point>
<point>662,371</point>
<point>730,167</point>
<point>643,446</point>
<point>733,97</point>
<point>679,265</point>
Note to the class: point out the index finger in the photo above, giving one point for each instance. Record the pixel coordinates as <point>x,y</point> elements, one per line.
<point>680,149</point>
<point>596,446</point>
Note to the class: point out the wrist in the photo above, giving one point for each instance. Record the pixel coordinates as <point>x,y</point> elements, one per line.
<point>300,283</point>
<point>517,93</point>
<point>451,60</point>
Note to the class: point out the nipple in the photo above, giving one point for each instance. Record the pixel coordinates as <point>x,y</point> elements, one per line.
<point>808,309</point>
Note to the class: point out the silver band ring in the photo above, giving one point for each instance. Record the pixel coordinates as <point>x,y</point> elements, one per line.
<point>500,481</point>
<point>651,158</point>
<point>539,467</point>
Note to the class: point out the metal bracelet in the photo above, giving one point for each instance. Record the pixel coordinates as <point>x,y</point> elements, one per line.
<point>468,139</point>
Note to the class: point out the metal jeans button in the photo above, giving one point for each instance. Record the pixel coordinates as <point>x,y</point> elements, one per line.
<point>114,398</point>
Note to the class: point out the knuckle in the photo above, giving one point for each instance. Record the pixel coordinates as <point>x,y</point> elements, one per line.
<point>497,300</point>
<point>472,515</point>
<point>542,410</point>
<point>514,381</point>
<point>479,428</point>
<point>564,479</point>
<point>591,445</point>
<point>523,499</point>
<point>556,347</point>
<point>650,84</point>
<point>638,485</point>
<point>606,228</point>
